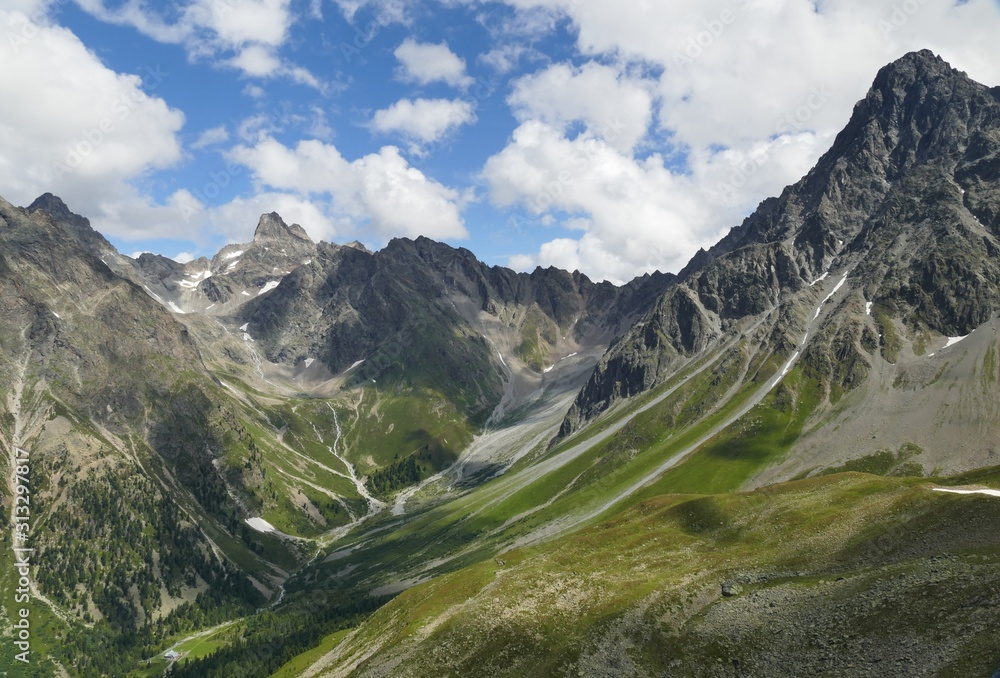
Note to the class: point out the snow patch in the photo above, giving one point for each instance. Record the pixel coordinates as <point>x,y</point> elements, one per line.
<point>233,255</point>
<point>268,287</point>
<point>245,293</point>
<point>954,340</point>
<point>990,493</point>
<point>788,365</point>
<point>569,356</point>
<point>210,307</point>
<point>356,363</point>
<point>501,359</point>
<point>820,279</point>
<point>307,262</point>
<point>233,265</point>
<point>310,361</point>
<point>868,307</point>
<point>260,525</point>
<point>548,369</point>
<point>56,315</point>
<point>244,326</point>
<point>153,294</point>
<point>836,288</point>
<point>175,308</point>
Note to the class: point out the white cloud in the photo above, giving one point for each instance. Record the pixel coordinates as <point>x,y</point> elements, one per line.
<point>257,61</point>
<point>211,137</point>
<point>638,214</point>
<point>425,63</point>
<point>70,125</point>
<point>182,257</point>
<point>425,120</point>
<point>751,92</point>
<point>505,58</point>
<point>253,91</point>
<point>385,11</point>
<point>616,108</point>
<point>242,34</point>
<point>30,8</point>
<point>379,192</point>
<point>236,220</point>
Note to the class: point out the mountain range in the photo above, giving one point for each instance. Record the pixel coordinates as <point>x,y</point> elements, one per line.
<point>302,458</point>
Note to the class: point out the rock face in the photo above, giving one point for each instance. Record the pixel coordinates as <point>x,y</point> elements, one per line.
<point>111,396</point>
<point>271,228</point>
<point>905,204</point>
<point>421,313</point>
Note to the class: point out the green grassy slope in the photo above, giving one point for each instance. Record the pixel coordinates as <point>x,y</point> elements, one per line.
<point>844,575</point>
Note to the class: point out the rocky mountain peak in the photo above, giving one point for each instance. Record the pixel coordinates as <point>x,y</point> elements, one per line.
<point>272,227</point>
<point>54,206</point>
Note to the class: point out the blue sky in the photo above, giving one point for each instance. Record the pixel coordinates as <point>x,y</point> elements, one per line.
<point>613,138</point>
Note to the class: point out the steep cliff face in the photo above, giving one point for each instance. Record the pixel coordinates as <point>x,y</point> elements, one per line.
<point>904,204</point>
<point>420,313</point>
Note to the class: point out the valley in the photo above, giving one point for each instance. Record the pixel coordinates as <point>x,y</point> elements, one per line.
<point>300,458</point>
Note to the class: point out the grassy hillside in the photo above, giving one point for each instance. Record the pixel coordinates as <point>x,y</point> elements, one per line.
<point>847,574</point>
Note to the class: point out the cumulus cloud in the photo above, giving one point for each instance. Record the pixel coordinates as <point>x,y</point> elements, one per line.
<point>638,215</point>
<point>424,63</point>
<point>747,93</point>
<point>72,126</point>
<point>425,120</point>
<point>617,108</point>
<point>379,192</point>
<point>244,35</point>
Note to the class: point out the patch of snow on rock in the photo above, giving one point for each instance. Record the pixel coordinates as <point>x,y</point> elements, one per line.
<point>260,525</point>
<point>989,493</point>
<point>820,279</point>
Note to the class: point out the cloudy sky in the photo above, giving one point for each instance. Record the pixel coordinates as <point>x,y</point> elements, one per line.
<point>611,137</point>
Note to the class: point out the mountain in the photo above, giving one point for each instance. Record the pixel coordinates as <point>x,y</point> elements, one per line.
<point>300,458</point>
<point>750,481</point>
<point>163,430</point>
<point>422,314</point>
<point>898,222</point>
